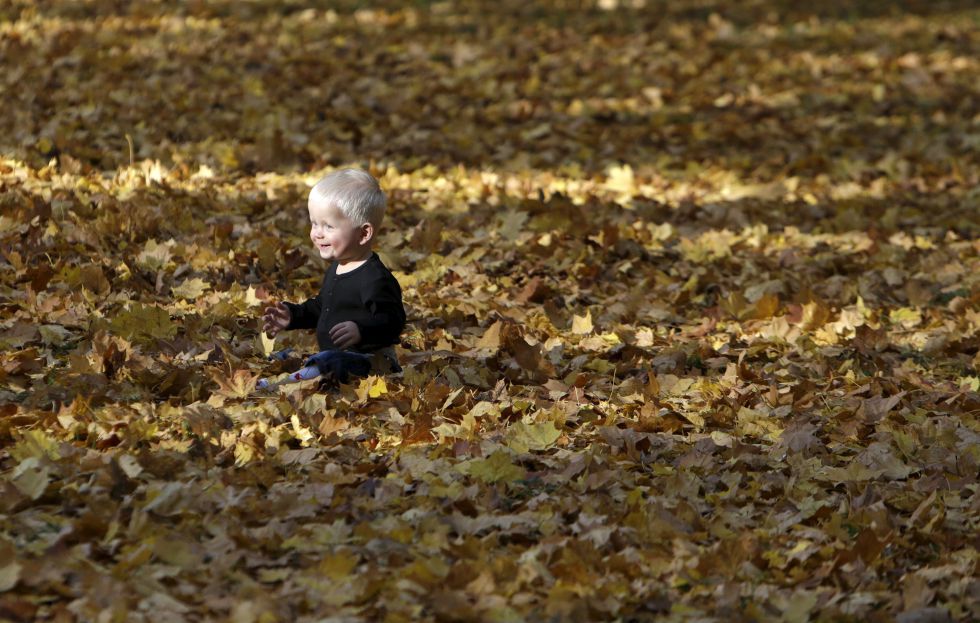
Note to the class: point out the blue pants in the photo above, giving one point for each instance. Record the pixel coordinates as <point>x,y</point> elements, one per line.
<point>341,364</point>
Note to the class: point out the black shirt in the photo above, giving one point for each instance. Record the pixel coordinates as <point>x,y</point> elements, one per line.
<point>369,295</point>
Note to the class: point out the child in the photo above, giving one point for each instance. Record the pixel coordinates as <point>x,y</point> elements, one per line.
<point>358,314</point>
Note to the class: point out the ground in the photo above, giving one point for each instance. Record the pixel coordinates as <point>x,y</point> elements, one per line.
<point>693,294</point>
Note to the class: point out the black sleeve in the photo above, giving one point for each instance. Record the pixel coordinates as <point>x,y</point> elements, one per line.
<point>304,315</point>
<point>383,301</point>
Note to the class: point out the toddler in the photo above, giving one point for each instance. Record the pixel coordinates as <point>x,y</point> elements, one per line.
<point>358,314</point>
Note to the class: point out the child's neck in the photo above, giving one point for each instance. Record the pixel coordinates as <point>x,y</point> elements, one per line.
<point>346,267</point>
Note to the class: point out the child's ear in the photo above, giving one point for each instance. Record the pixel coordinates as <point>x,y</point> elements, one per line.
<point>367,233</point>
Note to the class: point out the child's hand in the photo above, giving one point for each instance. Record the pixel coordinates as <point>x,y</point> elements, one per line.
<point>275,319</point>
<point>345,334</point>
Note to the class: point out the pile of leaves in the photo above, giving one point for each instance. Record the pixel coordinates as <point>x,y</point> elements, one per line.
<point>694,299</point>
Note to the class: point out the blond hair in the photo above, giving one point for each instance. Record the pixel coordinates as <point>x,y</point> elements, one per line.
<point>355,193</point>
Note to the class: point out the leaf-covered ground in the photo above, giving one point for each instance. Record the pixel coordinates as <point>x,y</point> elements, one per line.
<point>694,297</point>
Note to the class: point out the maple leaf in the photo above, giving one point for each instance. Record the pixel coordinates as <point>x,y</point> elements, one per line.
<point>495,468</point>
<point>190,289</point>
<point>757,424</point>
<point>239,384</point>
<point>371,387</point>
<point>537,436</point>
<point>35,443</point>
<point>154,255</point>
<point>140,322</point>
<point>330,425</point>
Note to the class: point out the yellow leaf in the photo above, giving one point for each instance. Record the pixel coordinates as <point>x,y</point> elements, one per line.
<point>754,423</point>
<point>908,317</point>
<point>271,576</point>
<point>338,565</point>
<point>765,307</point>
<point>582,325</point>
<point>54,334</point>
<point>301,432</point>
<point>970,383</point>
<point>224,153</point>
<point>693,418</point>
<point>330,424</point>
<point>721,439</point>
<point>675,386</point>
<point>177,552</point>
<point>35,443</point>
<point>244,453</point>
<point>251,297</point>
<point>155,255</point>
<point>735,304</point>
<point>31,478</point>
<point>315,403</point>
<point>797,608</point>
<point>448,430</point>
<point>245,612</point>
<point>512,224</point>
<point>709,246</point>
<point>495,468</point>
<point>190,289</point>
<point>815,315</point>
<point>378,387</point>
<point>652,389</point>
<point>491,337</point>
<point>371,387</point>
<point>9,575</point>
<point>239,385</point>
<point>267,343</point>
<point>89,276</point>
<point>538,436</point>
<point>143,321</point>
<point>601,366</point>
<point>538,131</point>
<point>621,180</point>
<point>482,409</point>
<point>130,466</point>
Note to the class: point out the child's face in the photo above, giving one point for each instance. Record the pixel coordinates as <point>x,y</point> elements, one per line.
<point>334,236</point>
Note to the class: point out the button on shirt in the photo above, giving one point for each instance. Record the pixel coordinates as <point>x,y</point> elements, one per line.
<point>369,295</point>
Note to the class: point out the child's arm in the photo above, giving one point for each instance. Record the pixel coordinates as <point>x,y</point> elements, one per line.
<point>304,315</point>
<point>283,316</point>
